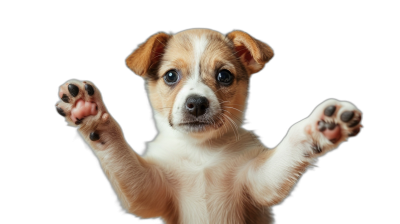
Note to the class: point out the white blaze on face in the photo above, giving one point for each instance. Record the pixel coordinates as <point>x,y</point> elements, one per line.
<point>194,85</point>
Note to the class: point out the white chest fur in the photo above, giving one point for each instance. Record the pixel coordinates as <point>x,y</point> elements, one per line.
<point>206,178</point>
<point>189,164</point>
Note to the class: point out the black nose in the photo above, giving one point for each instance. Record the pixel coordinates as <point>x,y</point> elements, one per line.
<point>196,105</point>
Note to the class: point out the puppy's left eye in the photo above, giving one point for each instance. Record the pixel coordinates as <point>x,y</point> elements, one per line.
<point>171,77</point>
<point>225,77</point>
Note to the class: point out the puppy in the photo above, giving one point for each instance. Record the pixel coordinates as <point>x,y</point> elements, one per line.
<point>203,167</point>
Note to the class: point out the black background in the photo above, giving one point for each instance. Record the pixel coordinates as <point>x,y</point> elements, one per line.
<point>329,53</point>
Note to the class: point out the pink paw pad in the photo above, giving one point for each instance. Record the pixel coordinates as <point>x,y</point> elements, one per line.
<point>331,131</point>
<point>83,109</point>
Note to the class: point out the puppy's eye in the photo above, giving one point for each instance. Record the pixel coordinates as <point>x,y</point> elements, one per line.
<point>225,77</point>
<point>171,77</point>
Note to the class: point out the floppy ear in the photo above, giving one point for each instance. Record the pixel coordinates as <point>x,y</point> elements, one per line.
<point>252,52</point>
<point>148,54</point>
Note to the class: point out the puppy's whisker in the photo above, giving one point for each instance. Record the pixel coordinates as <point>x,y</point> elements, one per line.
<point>209,141</point>
<point>235,109</point>
<point>234,128</point>
<point>229,104</point>
<point>233,125</point>
<point>216,126</point>
<point>219,129</point>
<point>223,102</point>
<point>213,123</point>
<point>233,120</point>
<point>224,124</point>
<point>220,99</point>
<point>237,128</point>
<point>235,116</point>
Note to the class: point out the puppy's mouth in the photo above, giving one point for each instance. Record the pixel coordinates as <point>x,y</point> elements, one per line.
<point>194,123</point>
<point>197,125</point>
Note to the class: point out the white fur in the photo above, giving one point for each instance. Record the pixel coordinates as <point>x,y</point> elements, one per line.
<point>279,167</point>
<point>199,45</point>
<point>194,85</point>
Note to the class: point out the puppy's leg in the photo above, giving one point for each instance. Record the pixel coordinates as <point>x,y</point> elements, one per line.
<point>272,175</point>
<point>140,184</point>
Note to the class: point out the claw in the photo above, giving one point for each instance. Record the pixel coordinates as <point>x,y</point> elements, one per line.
<point>78,121</point>
<point>316,148</point>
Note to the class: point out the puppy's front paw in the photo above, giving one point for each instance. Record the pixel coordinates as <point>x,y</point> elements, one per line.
<point>81,104</point>
<point>331,123</point>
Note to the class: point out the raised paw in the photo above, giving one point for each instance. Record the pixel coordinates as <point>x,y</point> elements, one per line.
<point>81,103</point>
<point>331,123</point>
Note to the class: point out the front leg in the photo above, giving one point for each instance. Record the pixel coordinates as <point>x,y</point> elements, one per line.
<point>273,174</point>
<point>140,185</point>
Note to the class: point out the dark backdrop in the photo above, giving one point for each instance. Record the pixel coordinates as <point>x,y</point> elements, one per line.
<point>319,55</point>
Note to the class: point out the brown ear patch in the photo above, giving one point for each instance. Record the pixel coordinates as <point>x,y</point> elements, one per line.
<point>252,52</point>
<point>242,51</point>
<point>148,54</point>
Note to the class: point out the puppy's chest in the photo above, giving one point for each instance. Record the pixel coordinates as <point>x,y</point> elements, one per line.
<point>197,176</point>
<point>204,187</point>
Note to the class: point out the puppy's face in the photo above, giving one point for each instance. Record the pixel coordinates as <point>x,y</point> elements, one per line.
<point>198,79</point>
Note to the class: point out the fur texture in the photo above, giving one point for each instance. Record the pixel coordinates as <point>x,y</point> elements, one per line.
<point>203,169</point>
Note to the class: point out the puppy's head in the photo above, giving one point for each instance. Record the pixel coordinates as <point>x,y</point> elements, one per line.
<point>198,79</point>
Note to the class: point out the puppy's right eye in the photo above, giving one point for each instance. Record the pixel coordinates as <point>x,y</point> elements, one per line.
<point>171,77</point>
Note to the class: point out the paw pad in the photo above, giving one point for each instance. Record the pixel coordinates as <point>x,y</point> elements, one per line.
<point>89,89</point>
<point>94,136</point>
<point>73,90</point>
<point>347,116</point>
<point>61,111</point>
<point>65,98</point>
<point>329,111</point>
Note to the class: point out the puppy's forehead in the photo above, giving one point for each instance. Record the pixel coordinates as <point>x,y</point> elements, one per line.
<point>191,49</point>
<point>196,40</point>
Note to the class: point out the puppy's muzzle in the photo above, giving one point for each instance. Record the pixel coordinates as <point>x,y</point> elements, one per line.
<point>197,105</point>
